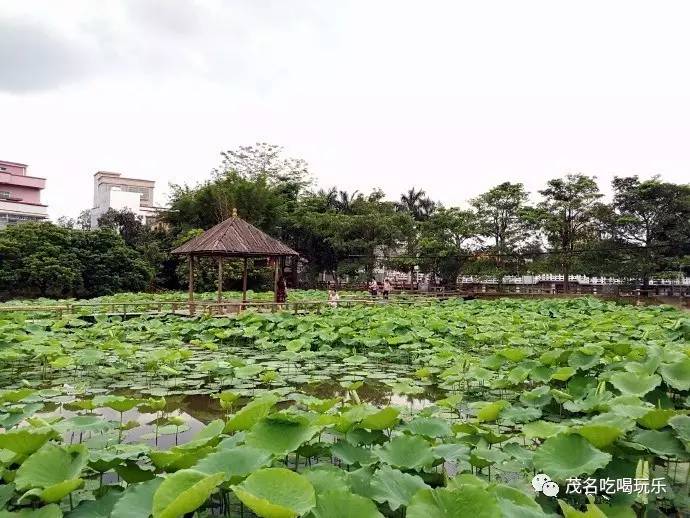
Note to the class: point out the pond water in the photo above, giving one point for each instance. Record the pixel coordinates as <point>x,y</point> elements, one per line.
<point>197,410</point>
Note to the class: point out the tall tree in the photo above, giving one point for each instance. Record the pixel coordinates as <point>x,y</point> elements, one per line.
<point>416,203</point>
<point>501,217</point>
<point>567,216</point>
<point>444,242</point>
<point>655,217</point>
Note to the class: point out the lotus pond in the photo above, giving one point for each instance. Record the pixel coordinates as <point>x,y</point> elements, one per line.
<point>442,409</point>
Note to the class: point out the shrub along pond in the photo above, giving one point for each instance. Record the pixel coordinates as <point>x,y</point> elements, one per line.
<point>443,409</point>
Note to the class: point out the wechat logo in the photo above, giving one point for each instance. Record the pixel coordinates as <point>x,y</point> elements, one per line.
<point>543,483</point>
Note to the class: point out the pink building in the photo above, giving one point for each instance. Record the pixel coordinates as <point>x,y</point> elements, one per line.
<point>20,195</point>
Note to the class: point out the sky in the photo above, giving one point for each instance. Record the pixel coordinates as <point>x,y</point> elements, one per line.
<point>453,97</point>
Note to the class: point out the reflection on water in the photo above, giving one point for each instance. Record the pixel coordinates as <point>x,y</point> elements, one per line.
<point>197,410</point>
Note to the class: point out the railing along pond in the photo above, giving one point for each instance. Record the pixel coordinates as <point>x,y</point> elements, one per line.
<point>185,308</point>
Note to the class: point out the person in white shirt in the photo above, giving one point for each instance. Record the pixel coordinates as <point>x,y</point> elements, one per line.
<point>333,297</point>
<point>386,288</point>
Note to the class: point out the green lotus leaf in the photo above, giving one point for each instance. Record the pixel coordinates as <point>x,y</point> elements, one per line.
<point>25,441</point>
<point>6,494</point>
<point>137,500</point>
<point>677,374</point>
<point>53,494</point>
<point>183,492</point>
<point>119,403</point>
<point>51,465</point>
<point>466,479</point>
<point>406,452</point>
<point>395,487</point>
<point>592,511</point>
<point>99,508</point>
<point>660,442</point>
<point>327,478</point>
<point>465,501</point>
<point>351,454</point>
<point>132,473</point>
<point>175,459</point>
<point>489,411</point>
<point>520,414</point>
<point>336,504</point>
<point>280,437</point>
<point>634,384</point>
<point>84,423</point>
<point>432,427</point>
<point>514,354</point>
<point>565,455</point>
<point>236,463</point>
<point>381,420</point>
<point>15,396</point>
<point>656,418</point>
<point>514,502</point>
<point>251,414</point>
<point>681,424</point>
<point>563,374</point>
<point>540,396</point>
<point>542,429</point>
<point>276,493</point>
<point>452,451</point>
<point>48,511</point>
<point>582,361</point>
<point>599,435</point>
<point>628,406</point>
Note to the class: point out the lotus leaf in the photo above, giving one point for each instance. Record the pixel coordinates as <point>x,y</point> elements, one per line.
<point>406,452</point>
<point>51,465</point>
<point>183,492</point>
<point>565,455</point>
<point>634,384</point>
<point>236,463</point>
<point>137,500</point>
<point>467,500</point>
<point>395,487</point>
<point>276,493</point>
<point>336,504</point>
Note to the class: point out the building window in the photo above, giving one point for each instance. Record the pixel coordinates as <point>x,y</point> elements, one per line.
<point>4,195</point>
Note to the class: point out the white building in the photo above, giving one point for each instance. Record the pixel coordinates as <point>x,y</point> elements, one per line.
<point>114,191</point>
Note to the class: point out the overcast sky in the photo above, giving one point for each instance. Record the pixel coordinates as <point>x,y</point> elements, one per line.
<point>451,96</point>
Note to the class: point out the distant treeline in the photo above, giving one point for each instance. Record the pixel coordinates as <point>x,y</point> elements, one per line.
<point>644,231</point>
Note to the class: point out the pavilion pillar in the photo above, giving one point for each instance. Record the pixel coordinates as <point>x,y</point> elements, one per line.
<point>244,283</point>
<point>275,279</point>
<point>190,266</point>
<point>220,280</point>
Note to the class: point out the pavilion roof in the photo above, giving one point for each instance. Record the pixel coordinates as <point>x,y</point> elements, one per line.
<point>234,237</point>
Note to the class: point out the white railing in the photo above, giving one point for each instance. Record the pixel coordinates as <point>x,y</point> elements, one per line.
<point>574,279</point>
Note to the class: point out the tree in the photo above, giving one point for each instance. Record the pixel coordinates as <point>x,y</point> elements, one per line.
<point>417,204</point>
<point>47,260</point>
<point>567,216</point>
<point>501,214</point>
<point>263,160</point>
<point>444,242</point>
<point>654,217</point>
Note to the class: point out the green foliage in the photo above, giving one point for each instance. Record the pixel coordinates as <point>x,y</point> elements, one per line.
<point>46,260</point>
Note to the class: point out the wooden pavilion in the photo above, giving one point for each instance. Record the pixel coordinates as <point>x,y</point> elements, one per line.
<point>234,238</point>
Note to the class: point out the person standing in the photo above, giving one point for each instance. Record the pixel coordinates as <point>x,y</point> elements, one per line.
<point>333,297</point>
<point>281,291</point>
<point>386,288</point>
<point>374,288</point>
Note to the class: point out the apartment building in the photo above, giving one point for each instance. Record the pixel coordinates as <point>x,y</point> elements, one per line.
<point>20,195</point>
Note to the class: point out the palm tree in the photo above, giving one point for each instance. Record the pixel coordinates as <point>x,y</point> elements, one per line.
<point>345,201</point>
<point>417,204</point>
